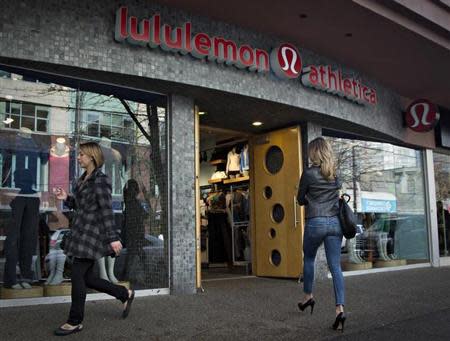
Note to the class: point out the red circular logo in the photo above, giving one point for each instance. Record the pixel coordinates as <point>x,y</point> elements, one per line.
<point>285,61</point>
<point>421,115</point>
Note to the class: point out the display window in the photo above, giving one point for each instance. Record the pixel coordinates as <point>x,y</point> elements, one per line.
<point>386,185</point>
<point>41,126</point>
<point>442,178</point>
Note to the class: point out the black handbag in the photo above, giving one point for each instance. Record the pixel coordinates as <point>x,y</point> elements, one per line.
<point>347,217</point>
<point>65,239</point>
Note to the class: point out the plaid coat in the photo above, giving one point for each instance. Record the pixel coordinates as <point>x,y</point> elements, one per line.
<point>93,221</point>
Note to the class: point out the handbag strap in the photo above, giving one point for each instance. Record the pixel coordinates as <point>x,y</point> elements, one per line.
<point>346,197</point>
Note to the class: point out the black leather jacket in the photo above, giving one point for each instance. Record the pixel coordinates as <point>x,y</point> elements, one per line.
<point>319,195</point>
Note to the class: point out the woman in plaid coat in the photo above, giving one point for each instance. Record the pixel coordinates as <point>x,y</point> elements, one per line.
<point>93,236</point>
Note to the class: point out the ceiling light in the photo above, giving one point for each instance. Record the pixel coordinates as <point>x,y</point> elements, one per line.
<point>303,16</point>
<point>61,140</point>
<point>257,123</point>
<point>9,120</point>
<point>9,97</point>
<point>202,112</point>
<point>349,35</point>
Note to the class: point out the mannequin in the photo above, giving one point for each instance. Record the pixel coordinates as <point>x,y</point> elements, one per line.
<point>233,163</point>
<point>245,163</point>
<point>55,261</point>
<point>22,235</point>
<point>106,268</point>
<point>354,255</point>
<point>382,239</point>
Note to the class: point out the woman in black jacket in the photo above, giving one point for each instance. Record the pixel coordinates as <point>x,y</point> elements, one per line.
<point>319,192</point>
<point>93,236</point>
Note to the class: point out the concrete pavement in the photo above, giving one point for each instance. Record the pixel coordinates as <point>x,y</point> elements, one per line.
<point>400,305</point>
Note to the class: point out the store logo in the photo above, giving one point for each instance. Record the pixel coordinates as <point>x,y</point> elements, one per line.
<point>421,115</point>
<point>286,62</point>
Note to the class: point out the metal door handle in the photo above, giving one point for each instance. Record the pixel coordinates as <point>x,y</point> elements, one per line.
<point>295,212</point>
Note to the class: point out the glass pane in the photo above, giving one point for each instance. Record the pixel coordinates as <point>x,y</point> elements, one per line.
<point>105,131</point>
<point>105,119</point>
<point>117,120</point>
<point>28,109</point>
<point>386,184</point>
<point>42,125</point>
<point>16,108</point>
<point>28,122</point>
<point>42,113</point>
<point>93,129</point>
<point>15,124</point>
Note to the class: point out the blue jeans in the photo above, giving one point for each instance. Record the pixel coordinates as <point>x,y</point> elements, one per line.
<point>327,230</point>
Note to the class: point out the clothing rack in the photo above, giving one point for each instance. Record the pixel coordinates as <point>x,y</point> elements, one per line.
<point>235,225</point>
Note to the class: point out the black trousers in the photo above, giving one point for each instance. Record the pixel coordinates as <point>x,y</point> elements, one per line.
<point>21,239</point>
<point>82,277</point>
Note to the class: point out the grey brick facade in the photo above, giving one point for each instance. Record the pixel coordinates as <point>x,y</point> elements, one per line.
<point>182,234</point>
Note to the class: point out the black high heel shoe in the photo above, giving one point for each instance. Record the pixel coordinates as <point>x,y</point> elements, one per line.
<point>340,320</point>
<point>310,302</point>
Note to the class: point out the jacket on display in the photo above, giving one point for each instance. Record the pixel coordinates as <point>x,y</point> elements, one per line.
<point>93,227</point>
<point>319,195</point>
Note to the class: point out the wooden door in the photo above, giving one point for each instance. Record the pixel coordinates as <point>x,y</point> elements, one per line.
<point>278,220</point>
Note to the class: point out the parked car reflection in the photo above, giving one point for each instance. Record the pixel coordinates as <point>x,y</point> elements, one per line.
<point>145,268</point>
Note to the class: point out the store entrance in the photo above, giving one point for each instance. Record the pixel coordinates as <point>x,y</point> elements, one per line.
<point>224,203</point>
<point>249,222</point>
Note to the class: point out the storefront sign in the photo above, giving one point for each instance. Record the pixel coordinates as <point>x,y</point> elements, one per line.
<point>201,45</point>
<point>323,78</point>
<point>421,115</point>
<point>285,61</point>
<point>378,206</point>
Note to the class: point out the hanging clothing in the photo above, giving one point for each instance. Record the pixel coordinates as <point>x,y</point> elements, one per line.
<point>244,160</point>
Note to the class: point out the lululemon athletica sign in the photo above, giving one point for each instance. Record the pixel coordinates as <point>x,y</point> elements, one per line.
<point>285,60</point>
<point>421,115</point>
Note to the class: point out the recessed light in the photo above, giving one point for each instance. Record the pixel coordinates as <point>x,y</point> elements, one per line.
<point>257,123</point>
<point>303,16</point>
<point>9,97</point>
<point>348,35</point>
<point>202,112</point>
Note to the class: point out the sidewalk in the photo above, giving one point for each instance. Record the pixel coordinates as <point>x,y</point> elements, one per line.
<point>399,305</point>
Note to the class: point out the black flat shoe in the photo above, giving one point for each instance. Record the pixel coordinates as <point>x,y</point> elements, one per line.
<point>63,332</point>
<point>127,309</point>
<point>340,320</point>
<point>310,302</point>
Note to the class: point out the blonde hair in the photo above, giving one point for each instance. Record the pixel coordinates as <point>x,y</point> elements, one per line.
<point>93,150</point>
<point>321,155</point>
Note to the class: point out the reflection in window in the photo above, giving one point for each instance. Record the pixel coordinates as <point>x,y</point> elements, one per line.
<point>18,115</point>
<point>442,178</point>
<point>36,156</point>
<point>386,183</point>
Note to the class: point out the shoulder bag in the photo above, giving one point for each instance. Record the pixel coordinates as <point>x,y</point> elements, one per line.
<point>347,217</point>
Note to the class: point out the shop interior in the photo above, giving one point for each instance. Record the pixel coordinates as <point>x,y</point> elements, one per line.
<point>224,203</point>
